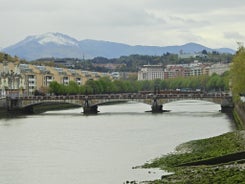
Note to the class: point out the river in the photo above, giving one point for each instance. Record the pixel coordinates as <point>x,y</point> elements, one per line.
<point>61,147</point>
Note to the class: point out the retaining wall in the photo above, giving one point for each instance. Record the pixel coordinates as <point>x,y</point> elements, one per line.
<point>240,111</point>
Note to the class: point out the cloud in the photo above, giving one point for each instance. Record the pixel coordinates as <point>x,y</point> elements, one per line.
<point>193,6</point>
<point>148,22</point>
<point>234,36</point>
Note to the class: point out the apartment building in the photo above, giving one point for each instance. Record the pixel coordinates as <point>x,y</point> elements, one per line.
<point>151,72</point>
<point>219,68</point>
<point>25,79</point>
<point>173,71</point>
<point>184,70</point>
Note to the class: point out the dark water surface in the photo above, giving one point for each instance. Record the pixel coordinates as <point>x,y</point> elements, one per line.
<point>67,147</point>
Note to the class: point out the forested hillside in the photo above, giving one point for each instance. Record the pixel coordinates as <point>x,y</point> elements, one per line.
<point>132,63</point>
<point>9,58</point>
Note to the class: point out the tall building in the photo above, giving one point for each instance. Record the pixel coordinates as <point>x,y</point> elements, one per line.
<point>151,72</point>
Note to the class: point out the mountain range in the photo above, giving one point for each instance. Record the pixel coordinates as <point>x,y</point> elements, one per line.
<point>59,45</point>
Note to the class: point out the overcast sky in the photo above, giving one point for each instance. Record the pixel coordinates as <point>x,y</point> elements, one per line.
<point>213,23</point>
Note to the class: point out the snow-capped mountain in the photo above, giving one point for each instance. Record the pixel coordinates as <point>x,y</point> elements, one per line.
<point>49,38</point>
<point>55,38</point>
<point>59,45</point>
<point>45,45</point>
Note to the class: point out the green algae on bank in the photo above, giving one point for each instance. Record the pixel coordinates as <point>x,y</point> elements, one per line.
<point>204,149</point>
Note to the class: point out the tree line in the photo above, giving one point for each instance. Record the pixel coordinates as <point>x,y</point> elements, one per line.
<point>238,74</point>
<point>105,85</point>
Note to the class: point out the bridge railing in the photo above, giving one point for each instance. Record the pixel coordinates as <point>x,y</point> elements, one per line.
<point>127,96</point>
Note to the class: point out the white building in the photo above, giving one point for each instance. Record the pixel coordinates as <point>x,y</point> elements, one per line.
<point>11,81</point>
<point>151,72</point>
<point>219,68</point>
<point>115,75</point>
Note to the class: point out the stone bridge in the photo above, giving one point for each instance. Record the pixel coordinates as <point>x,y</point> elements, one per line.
<point>90,103</point>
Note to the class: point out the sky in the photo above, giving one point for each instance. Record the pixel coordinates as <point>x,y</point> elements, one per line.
<point>213,23</point>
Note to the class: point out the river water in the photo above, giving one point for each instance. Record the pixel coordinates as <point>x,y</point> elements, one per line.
<point>62,147</point>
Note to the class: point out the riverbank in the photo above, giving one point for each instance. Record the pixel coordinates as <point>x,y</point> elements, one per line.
<point>219,159</point>
<point>205,161</point>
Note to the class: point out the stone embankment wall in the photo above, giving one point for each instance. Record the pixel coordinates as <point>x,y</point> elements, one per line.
<point>2,103</point>
<point>240,111</point>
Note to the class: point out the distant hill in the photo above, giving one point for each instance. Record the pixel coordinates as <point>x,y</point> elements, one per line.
<point>59,45</point>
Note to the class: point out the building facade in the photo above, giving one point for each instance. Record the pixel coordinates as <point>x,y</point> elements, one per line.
<point>173,71</point>
<point>151,72</point>
<point>11,81</point>
<point>25,79</point>
<point>219,68</point>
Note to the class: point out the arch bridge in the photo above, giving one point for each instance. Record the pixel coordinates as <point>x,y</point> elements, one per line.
<point>90,103</point>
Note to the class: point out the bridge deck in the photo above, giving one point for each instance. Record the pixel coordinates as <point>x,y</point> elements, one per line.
<point>88,101</point>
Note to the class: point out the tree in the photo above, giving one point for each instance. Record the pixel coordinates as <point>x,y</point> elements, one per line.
<point>54,88</point>
<point>72,88</point>
<point>106,85</point>
<point>238,73</point>
<point>91,86</point>
<point>213,81</point>
<point>204,52</point>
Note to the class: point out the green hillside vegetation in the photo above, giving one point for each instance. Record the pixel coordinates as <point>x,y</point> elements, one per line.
<point>9,58</point>
<point>132,63</point>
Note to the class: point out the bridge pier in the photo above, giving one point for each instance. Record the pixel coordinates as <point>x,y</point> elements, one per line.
<point>87,109</point>
<point>155,108</point>
<point>12,104</point>
<point>90,110</point>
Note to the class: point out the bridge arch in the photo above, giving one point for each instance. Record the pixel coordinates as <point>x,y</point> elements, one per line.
<point>47,106</point>
<point>165,101</point>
